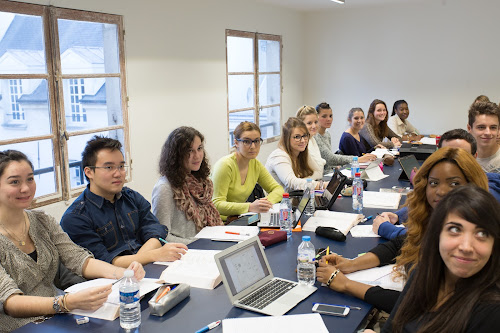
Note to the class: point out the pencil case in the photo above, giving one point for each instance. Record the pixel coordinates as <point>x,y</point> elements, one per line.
<point>178,293</point>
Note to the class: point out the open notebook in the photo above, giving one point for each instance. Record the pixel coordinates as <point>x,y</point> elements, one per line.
<point>324,218</point>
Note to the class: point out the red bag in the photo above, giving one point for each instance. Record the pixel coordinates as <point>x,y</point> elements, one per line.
<point>270,237</point>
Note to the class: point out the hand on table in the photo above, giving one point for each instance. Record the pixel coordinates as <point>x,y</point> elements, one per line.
<point>367,158</point>
<point>88,299</point>
<point>260,206</point>
<point>170,252</point>
<point>323,273</point>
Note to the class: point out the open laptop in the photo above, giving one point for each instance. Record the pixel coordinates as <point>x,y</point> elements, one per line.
<point>250,283</point>
<point>331,192</point>
<point>408,162</point>
<point>272,219</point>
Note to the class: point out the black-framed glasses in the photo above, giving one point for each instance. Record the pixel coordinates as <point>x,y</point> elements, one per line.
<point>248,142</point>
<point>298,138</point>
<point>111,168</point>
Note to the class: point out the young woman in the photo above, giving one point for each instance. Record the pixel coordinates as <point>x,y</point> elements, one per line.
<point>399,124</point>
<point>31,245</point>
<point>291,164</point>
<point>444,170</point>
<point>351,143</point>
<point>182,197</point>
<point>376,129</point>
<point>456,285</point>
<point>236,175</point>
<point>309,116</point>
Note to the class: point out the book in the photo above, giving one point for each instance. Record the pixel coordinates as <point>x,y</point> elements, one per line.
<point>110,310</point>
<point>384,200</point>
<point>196,268</point>
<point>340,220</point>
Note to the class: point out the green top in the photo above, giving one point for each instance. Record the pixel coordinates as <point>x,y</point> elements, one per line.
<point>230,196</point>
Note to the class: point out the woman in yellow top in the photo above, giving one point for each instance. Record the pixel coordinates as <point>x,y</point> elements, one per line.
<point>235,176</point>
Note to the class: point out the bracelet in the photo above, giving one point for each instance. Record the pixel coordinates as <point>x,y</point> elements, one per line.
<point>330,280</point>
<point>63,303</point>
<point>55,304</point>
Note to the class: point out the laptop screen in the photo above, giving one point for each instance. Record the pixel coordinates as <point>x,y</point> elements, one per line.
<point>244,267</point>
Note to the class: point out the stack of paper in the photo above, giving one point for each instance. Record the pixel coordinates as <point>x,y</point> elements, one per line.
<point>324,218</point>
<point>385,200</point>
<point>196,268</point>
<point>311,322</point>
<point>228,233</point>
<point>111,309</point>
<point>378,276</point>
<point>428,141</point>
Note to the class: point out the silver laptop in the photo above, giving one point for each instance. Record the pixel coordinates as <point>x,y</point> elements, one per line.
<point>250,283</point>
<point>272,220</point>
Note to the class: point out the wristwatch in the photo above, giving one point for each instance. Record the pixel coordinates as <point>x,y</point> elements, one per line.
<point>56,306</point>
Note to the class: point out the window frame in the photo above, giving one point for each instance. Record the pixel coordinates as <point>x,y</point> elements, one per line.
<point>257,108</point>
<point>59,134</point>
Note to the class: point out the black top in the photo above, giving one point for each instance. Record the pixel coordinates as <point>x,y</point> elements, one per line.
<point>385,299</point>
<point>33,255</point>
<point>485,318</point>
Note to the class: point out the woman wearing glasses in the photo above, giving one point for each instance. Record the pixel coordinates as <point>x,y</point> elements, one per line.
<point>236,175</point>
<point>291,164</point>
<point>182,197</point>
<point>309,116</point>
<point>32,244</point>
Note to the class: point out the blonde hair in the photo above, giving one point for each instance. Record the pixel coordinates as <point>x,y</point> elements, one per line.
<point>304,111</point>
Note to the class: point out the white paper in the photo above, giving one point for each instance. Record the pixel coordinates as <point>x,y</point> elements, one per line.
<point>428,141</point>
<point>311,322</point>
<point>196,268</point>
<point>379,152</point>
<point>340,220</point>
<point>378,276</point>
<point>346,173</point>
<point>363,231</point>
<point>373,174</point>
<point>219,233</point>
<point>386,200</point>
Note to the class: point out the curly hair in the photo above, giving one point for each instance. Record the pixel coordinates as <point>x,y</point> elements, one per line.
<point>175,151</point>
<point>382,129</point>
<point>419,209</point>
<point>10,155</point>
<point>477,206</point>
<point>300,165</point>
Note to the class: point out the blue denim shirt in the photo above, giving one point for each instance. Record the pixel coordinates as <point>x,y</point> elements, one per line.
<point>111,229</point>
<point>388,230</point>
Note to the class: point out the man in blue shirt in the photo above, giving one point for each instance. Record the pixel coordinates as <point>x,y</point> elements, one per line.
<point>113,221</point>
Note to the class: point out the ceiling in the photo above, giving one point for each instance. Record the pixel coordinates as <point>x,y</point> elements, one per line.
<point>311,5</point>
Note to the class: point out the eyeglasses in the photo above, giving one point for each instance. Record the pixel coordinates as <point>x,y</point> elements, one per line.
<point>248,142</point>
<point>298,138</point>
<point>111,168</point>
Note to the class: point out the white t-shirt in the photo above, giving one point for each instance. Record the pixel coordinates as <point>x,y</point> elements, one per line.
<point>491,163</point>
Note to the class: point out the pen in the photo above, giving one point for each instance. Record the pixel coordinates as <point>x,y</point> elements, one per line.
<point>161,239</point>
<point>319,253</point>
<point>236,233</point>
<point>163,293</point>
<point>209,326</point>
<point>118,280</point>
<point>327,252</point>
<point>366,218</point>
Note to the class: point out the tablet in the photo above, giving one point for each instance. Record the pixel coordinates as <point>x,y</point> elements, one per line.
<point>408,162</point>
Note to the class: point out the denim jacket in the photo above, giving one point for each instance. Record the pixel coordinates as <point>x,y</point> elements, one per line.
<point>111,229</point>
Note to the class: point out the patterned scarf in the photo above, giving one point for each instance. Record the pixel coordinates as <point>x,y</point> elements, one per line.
<point>195,200</point>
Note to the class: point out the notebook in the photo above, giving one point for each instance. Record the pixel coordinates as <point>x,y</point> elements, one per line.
<point>272,219</point>
<point>331,192</point>
<point>340,220</point>
<point>250,283</point>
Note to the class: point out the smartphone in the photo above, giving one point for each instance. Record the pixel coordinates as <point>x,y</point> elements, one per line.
<point>333,310</point>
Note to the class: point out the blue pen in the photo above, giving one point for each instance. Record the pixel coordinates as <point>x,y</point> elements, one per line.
<point>164,241</point>
<point>209,326</point>
<point>367,218</point>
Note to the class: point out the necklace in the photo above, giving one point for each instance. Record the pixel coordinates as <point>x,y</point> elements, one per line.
<point>20,241</point>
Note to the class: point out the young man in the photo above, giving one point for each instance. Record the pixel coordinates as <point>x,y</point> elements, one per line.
<point>113,221</point>
<point>483,125</point>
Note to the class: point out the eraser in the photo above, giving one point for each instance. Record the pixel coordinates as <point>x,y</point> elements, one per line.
<point>81,321</point>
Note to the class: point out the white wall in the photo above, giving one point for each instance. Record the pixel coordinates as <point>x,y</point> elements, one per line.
<point>437,55</point>
<point>176,70</point>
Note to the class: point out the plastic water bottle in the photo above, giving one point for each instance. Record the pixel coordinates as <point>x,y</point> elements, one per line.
<point>306,270</point>
<point>354,166</point>
<point>286,216</point>
<point>130,309</point>
<point>310,205</point>
<point>357,194</point>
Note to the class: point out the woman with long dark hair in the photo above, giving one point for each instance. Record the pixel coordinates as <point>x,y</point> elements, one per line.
<point>456,285</point>
<point>376,129</point>
<point>182,197</point>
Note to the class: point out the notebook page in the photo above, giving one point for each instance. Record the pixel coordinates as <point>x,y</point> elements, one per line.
<point>311,322</point>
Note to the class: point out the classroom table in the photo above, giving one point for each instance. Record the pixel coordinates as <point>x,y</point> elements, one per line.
<point>205,306</point>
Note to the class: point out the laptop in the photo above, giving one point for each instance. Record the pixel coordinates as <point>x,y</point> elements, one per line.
<point>408,162</point>
<point>272,219</point>
<point>420,151</point>
<point>250,283</point>
<point>331,192</point>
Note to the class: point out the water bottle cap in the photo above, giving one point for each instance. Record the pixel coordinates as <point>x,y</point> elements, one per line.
<point>355,158</point>
<point>286,195</point>
<point>357,174</point>
<point>306,238</point>
<point>309,180</point>
<point>128,273</point>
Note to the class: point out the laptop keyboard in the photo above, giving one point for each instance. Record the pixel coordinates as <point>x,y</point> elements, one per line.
<point>262,297</point>
<point>274,219</point>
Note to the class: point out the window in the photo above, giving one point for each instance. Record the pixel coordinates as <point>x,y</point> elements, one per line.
<point>254,82</point>
<point>62,81</point>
